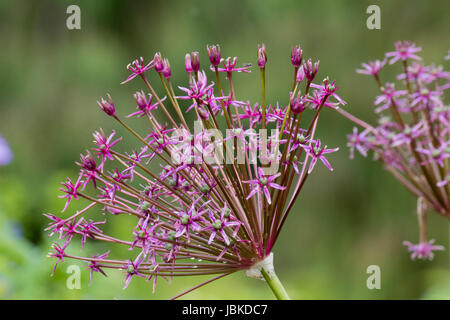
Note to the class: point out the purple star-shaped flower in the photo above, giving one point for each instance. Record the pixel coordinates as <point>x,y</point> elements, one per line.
<point>422,250</point>
<point>137,67</point>
<point>358,141</point>
<point>403,50</point>
<point>388,93</point>
<point>94,265</point>
<point>70,191</point>
<point>316,151</point>
<point>144,105</point>
<point>229,66</point>
<point>189,219</point>
<point>199,91</point>
<point>219,224</point>
<point>58,253</point>
<point>132,269</point>
<point>372,67</point>
<point>262,184</point>
<point>104,146</point>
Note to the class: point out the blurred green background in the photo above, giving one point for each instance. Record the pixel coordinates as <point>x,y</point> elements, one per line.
<point>51,77</point>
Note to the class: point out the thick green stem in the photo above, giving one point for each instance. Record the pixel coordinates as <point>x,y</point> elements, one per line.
<point>276,285</point>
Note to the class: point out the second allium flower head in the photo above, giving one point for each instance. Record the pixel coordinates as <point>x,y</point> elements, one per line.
<point>198,217</point>
<point>412,137</point>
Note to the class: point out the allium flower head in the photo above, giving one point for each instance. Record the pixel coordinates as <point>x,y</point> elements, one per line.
<point>412,135</point>
<point>209,198</point>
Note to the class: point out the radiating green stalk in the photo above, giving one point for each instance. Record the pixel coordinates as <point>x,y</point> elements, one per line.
<point>263,86</point>
<point>275,285</point>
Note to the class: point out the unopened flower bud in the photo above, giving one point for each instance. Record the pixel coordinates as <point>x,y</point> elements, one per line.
<point>300,74</point>
<point>298,104</point>
<point>310,69</point>
<point>262,56</point>
<point>296,56</point>
<point>195,61</point>
<point>88,162</point>
<point>141,100</point>
<point>107,106</point>
<point>188,63</point>
<point>159,64</point>
<point>167,72</point>
<point>214,54</point>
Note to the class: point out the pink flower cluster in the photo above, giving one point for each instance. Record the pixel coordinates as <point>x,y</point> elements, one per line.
<point>412,137</point>
<point>194,217</point>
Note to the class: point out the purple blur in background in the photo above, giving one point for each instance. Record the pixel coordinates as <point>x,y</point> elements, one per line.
<point>5,152</point>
